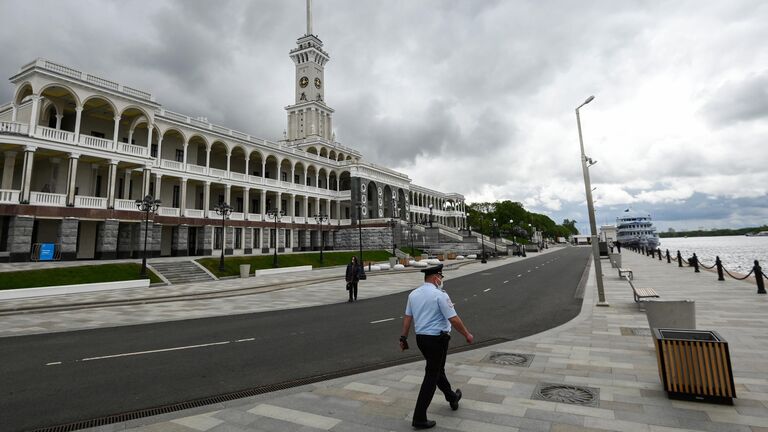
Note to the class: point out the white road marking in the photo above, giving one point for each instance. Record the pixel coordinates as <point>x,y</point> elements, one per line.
<point>53,363</point>
<point>246,340</point>
<point>519,275</point>
<point>381,321</point>
<point>486,290</point>
<point>506,281</point>
<point>154,351</point>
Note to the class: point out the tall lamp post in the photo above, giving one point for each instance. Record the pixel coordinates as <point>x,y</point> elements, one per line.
<point>482,236</point>
<point>591,210</point>
<point>359,206</point>
<point>430,215</point>
<point>223,209</point>
<point>493,232</point>
<point>411,224</point>
<point>275,214</point>
<point>320,218</point>
<point>147,205</point>
<point>393,224</point>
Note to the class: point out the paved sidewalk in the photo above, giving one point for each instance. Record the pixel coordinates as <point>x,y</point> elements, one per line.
<point>591,350</point>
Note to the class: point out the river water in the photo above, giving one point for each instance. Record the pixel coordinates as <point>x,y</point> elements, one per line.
<point>737,253</point>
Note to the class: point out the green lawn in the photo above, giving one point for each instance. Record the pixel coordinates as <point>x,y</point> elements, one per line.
<point>73,275</point>
<point>232,263</point>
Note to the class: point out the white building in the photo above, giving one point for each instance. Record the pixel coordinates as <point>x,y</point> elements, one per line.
<point>78,150</point>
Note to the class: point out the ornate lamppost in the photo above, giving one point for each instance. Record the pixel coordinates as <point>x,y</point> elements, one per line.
<point>320,218</point>
<point>223,209</point>
<point>359,206</point>
<point>411,224</point>
<point>481,210</point>
<point>393,224</point>
<point>494,234</point>
<point>430,215</point>
<point>275,214</point>
<point>147,205</point>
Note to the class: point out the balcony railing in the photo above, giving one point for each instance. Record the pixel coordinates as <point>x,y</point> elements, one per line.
<point>197,169</point>
<point>124,204</point>
<point>167,211</point>
<point>49,199</point>
<point>99,143</point>
<point>256,179</point>
<point>55,134</point>
<point>299,219</point>
<point>194,213</point>
<point>171,164</point>
<point>90,202</point>
<point>256,217</point>
<point>132,150</point>
<point>9,196</point>
<point>237,176</point>
<point>215,172</point>
<point>236,216</point>
<point>14,128</point>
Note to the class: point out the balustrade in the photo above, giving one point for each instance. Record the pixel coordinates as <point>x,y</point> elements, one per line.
<point>215,172</point>
<point>95,142</point>
<point>197,169</point>
<point>49,199</point>
<point>54,134</point>
<point>237,176</point>
<point>194,213</point>
<point>172,164</point>
<point>299,219</point>
<point>256,217</point>
<point>132,150</point>
<point>167,211</point>
<point>90,202</point>
<point>14,128</point>
<point>124,204</point>
<point>9,196</point>
<point>237,216</point>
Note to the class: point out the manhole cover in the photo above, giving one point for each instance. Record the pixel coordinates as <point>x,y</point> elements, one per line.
<point>635,331</point>
<point>570,394</point>
<point>510,359</point>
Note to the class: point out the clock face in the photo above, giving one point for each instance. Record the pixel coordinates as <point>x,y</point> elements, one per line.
<point>318,83</point>
<point>303,82</point>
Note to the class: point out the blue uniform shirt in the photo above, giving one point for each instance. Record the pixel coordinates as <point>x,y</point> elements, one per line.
<point>430,308</point>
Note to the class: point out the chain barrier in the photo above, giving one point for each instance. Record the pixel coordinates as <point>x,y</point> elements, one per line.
<point>706,266</point>
<point>738,278</point>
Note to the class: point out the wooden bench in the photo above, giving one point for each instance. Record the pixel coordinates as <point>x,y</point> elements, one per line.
<point>625,271</point>
<point>641,293</point>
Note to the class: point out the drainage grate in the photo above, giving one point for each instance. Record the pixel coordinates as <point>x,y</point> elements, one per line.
<point>570,394</point>
<point>510,359</point>
<point>148,412</point>
<point>635,331</point>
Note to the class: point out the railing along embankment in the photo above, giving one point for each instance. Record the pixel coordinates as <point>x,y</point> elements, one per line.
<point>757,271</point>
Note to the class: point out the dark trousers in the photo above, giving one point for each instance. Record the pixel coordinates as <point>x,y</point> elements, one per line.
<point>435,350</point>
<point>353,291</point>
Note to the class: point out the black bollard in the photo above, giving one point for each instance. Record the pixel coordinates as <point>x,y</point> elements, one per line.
<point>679,259</point>
<point>695,263</point>
<point>669,260</point>
<point>719,265</point>
<point>759,278</point>
<point>659,250</point>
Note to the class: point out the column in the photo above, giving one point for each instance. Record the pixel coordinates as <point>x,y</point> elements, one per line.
<point>116,132</point>
<point>111,179</point>
<point>14,112</point>
<point>20,238</point>
<point>94,174</point>
<point>8,165</point>
<point>78,119</point>
<point>263,202</point>
<point>292,205</point>
<point>184,160</point>
<point>293,174</point>
<point>206,198</point>
<point>228,194</point>
<point>229,158</point>
<point>246,203</point>
<point>338,209</point>
<point>317,205</point>
<point>305,175</point>
<point>264,167</point>
<point>328,207</point>
<point>207,158</point>
<point>247,167</point>
<point>127,184</point>
<point>159,148</point>
<point>149,138</point>
<point>183,198</point>
<point>106,246</point>
<point>68,238</point>
<point>35,115</point>
<point>145,182</point>
<point>306,206</point>
<point>58,120</point>
<point>278,202</point>
<point>26,173</point>
<point>130,135</point>
<point>158,183</point>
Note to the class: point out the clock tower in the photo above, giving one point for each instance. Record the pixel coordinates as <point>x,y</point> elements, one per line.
<point>309,117</point>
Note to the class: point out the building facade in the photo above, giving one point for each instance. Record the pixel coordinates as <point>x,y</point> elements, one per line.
<point>78,150</point>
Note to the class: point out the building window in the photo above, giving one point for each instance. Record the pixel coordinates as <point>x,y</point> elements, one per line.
<point>287,238</point>
<point>239,205</point>
<point>179,155</point>
<point>176,195</point>
<point>97,134</point>
<point>284,176</point>
<point>256,238</point>
<point>238,238</point>
<point>153,150</point>
<point>217,238</point>
<point>120,186</point>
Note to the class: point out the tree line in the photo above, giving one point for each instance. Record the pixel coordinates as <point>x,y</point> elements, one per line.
<point>481,217</point>
<point>714,232</point>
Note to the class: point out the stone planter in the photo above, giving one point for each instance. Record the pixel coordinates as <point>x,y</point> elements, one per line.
<point>245,270</point>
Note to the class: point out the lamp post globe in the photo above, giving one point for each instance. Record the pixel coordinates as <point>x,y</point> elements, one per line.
<point>147,205</point>
<point>223,209</point>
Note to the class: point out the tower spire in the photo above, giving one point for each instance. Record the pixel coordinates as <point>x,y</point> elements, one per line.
<point>309,17</point>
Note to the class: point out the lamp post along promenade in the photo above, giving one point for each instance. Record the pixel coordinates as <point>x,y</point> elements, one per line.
<point>223,209</point>
<point>147,205</point>
<point>275,215</point>
<point>320,218</point>
<point>591,210</point>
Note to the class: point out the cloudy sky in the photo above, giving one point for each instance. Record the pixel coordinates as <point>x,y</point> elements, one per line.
<point>475,97</point>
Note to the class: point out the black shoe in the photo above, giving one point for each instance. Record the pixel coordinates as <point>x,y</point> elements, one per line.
<point>455,403</point>
<point>349,301</point>
<point>426,424</point>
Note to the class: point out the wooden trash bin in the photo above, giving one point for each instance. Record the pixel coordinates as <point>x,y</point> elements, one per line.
<point>404,261</point>
<point>694,365</point>
<point>441,257</point>
<point>451,256</point>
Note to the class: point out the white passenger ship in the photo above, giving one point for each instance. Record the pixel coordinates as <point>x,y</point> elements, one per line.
<point>636,229</point>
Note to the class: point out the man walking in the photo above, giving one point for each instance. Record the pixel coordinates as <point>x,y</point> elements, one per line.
<point>432,313</point>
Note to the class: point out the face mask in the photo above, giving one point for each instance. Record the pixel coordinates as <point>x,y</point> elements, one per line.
<point>440,283</point>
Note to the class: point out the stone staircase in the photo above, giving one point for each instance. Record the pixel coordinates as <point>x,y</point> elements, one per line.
<point>181,272</point>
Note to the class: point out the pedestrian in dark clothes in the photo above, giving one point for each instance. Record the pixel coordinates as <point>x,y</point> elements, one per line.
<point>353,277</point>
<point>618,246</point>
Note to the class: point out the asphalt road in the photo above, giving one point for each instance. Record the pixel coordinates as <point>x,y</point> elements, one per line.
<point>65,377</point>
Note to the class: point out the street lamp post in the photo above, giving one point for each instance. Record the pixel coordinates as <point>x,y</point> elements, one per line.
<point>393,224</point>
<point>591,210</point>
<point>275,214</point>
<point>494,233</point>
<point>482,236</point>
<point>147,205</point>
<point>411,224</point>
<point>430,215</point>
<point>223,209</point>
<point>320,218</point>
<point>359,206</point>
